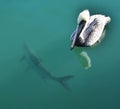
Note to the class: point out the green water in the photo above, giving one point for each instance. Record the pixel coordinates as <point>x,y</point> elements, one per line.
<point>47,25</point>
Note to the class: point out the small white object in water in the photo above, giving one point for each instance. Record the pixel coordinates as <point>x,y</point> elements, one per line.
<point>89,29</point>
<point>85,60</point>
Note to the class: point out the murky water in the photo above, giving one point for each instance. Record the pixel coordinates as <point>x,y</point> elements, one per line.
<point>47,26</point>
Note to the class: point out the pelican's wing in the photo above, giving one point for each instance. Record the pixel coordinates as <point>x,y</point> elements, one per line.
<point>90,28</point>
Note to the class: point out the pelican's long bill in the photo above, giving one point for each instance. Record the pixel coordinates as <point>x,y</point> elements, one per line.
<point>74,38</point>
<point>76,33</point>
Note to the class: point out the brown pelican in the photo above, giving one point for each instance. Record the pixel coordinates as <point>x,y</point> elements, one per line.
<point>89,29</point>
<point>89,32</point>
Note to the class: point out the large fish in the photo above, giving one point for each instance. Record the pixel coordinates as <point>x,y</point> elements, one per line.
<point>35,62</point>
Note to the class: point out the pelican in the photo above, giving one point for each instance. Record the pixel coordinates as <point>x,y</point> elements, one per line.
<point>89,30</point>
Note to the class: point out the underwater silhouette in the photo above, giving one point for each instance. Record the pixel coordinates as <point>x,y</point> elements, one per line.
<point>35,62</point>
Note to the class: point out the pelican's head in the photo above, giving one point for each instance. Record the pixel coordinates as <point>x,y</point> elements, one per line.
<point>81,21</point>
<point>84,15</point>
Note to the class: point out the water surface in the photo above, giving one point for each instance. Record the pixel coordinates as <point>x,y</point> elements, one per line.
<point>47,26</point>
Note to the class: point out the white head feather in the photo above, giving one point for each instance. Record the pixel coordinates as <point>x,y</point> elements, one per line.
<point>84,15</point>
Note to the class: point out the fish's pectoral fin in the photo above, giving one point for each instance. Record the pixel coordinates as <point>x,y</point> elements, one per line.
<point>22,58</point>
<point>29,68</point>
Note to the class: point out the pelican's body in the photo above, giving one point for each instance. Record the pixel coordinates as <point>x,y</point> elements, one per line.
<point>89,29</point>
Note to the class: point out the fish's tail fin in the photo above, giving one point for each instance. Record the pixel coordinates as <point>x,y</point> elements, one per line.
<point>63,81</point>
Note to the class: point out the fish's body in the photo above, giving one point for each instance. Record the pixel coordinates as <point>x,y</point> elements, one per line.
<point>34,61</point>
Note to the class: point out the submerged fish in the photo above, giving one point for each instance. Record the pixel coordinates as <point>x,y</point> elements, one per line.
<point>89,31</point>
<point>34,60</point>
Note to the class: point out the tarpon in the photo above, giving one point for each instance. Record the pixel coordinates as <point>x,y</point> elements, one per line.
<point>34,60</point>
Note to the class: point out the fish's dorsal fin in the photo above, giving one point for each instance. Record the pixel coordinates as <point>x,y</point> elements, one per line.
<point>22,58</point>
